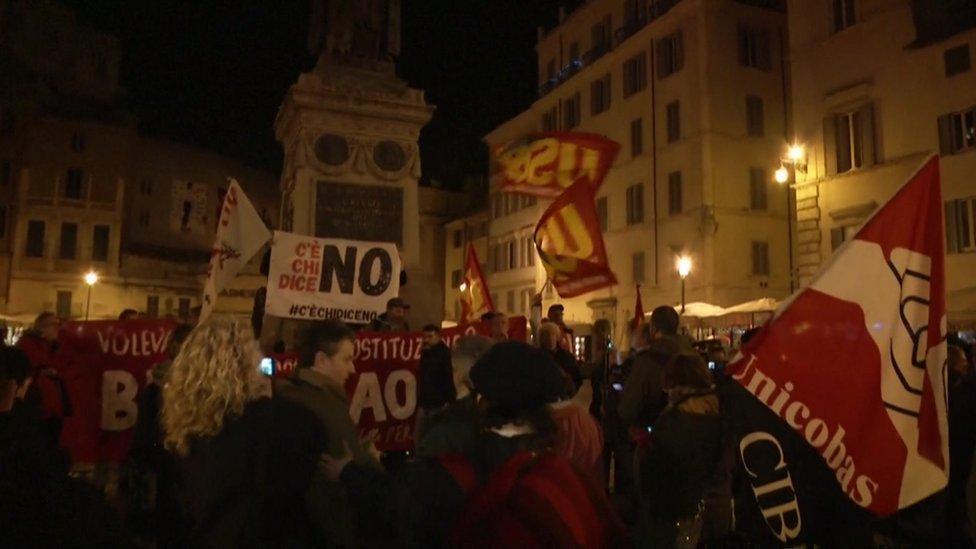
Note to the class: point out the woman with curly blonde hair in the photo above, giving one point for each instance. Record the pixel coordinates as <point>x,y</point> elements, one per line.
<point>219,426</point>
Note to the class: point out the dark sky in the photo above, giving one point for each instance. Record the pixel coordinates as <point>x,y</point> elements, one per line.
<point>213,73</point>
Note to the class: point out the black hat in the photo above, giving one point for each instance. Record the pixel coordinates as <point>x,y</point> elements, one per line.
<point>516,377</point>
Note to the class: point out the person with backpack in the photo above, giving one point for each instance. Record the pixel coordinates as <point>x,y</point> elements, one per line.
<point>511,489</point>
<point>686,468</point>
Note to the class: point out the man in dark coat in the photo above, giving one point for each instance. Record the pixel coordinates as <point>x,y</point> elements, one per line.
<point>435,386</point>
<point>549,338</point>
<point>643,398</point>
<point>394,319</point>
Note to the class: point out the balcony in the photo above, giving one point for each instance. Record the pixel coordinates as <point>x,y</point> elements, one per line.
<point>105,197</point>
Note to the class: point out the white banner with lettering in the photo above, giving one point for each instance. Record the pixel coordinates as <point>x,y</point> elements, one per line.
<point>319,278</point>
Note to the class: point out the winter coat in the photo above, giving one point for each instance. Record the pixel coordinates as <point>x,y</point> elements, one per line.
<point>328,502</point>
<point>435,387</point>
<point>643,396</point>
<point>452,430</point>
<point>689,459</point>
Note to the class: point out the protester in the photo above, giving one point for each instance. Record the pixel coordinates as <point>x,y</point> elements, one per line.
<point>40,506</point>
<point>221,429</point>
<point>453,429</point>
<point>435,383</point>
<point>555,315</point>
<point>685,477</point>
<point>962,441</point>
<point>155,503</point>
<point>47,396</point>
<point>642,398</point>
<point>326,362</point>
<point>129,314</point>
<point>511,490</point>
<point>578,437</point>
<point>549,335</point>
<point>394,319</point>
<point>498,324</point>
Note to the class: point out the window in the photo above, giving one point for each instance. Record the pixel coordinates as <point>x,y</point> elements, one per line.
<point>754,48</point>
<point>675,205</point>
<point>839,235</point>
<point>636,137</point>
<point>35,239</point>
<point>758,185</point>
<point>849,140</point>
<point>78,142</point>
<point>144,218</point>
<point>455,278</point>
<point>74,183</point>
<point>844,14</point>
<point>601,214</point>
<point>635,204</point>
<point>760,258</point>
<point>64,304</point>
<point>513,261</point>
<point>638,267</point>
<point>957,131</point>
<point>600,95</point>
<point>670,55</point>
<point>3,221</point>
<point>152,306</point>
<point>184,307</point>
<point>674,121</point>
<point>754,116</point>
<point>100,243</point>
<point>956,60</point>
<point>526,299</point>
<point>510,301</point>
<point>571,112</point>
<point>528,252</point>
<point>6,173</point>
<point>601,33</point>
<point>145,187</point>
<point>635,74</point>
<point>458,238</point>
<point>960,225</point>
<point>69,241</point>
<point>550,120</point>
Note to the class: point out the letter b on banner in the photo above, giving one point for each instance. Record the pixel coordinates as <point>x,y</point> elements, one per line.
<point>119,409</point>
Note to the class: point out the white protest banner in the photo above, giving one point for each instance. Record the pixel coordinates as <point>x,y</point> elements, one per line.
<point>318,278</point>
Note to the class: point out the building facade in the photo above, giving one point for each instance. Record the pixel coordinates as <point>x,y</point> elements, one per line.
<point>878,86</point>
<point>695,92</point>
<point>81,190</point>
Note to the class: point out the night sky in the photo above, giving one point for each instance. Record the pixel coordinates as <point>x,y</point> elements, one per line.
<point>213,73</point>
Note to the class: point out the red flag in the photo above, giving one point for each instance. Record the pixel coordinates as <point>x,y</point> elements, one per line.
<point>638,310</point>
<point>475,298</point>
<point>547,164</point>
<point>854,362</point>
<point>570,243</point>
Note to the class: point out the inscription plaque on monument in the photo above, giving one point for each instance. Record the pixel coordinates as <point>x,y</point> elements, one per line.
<point>359,212</point>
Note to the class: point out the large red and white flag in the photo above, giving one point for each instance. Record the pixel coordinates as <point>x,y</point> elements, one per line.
<point>240,234</point>
<point>475,298</point>
<point>854,365</point>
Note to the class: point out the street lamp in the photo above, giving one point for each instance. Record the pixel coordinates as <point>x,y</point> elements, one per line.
<point>463,287</point>
<point>684,268</point>
<point>90,278</point>
<point>795,161</point>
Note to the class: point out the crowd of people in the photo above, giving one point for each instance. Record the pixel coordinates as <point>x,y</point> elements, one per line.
<point>505,453</point>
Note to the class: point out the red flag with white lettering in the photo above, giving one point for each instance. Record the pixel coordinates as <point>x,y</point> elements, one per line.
<point>854,363</point>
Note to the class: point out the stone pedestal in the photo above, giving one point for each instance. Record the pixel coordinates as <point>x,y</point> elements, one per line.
<point>352,161</point>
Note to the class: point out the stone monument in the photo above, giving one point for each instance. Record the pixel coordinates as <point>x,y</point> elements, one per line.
<point>349,130</point>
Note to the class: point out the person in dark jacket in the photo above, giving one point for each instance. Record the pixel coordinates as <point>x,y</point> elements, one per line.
<point>394,319</point>
<point>221,428</point>
<point>962,442</point>
<point>686,474</point>
<point>435,384</point>
<point>642,398</point>
<point>454,429</point>
<point>549,334</point>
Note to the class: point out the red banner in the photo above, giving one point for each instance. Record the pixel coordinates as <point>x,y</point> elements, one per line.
<point>570,243</point>
<point>475,298</point>
<point>547,164</point>
<point>383,391</point>
<point>105,364</point>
